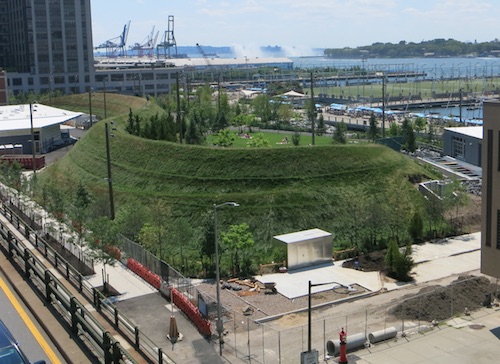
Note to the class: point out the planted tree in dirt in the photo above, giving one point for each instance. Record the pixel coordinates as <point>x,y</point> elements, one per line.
<point>416,228</point>
<point>398,264</point>
<point>237,241</point>
<point>79,211</point>
<point>104,246</point>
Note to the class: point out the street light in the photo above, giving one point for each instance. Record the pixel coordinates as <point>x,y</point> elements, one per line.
<point>104,91</point>
<point>33,148</point>
<point>219,325</point>
<point>309,311</point>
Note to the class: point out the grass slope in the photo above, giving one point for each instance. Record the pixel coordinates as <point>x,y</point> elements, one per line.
<point>279,189</point>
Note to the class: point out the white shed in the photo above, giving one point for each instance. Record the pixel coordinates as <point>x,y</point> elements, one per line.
<point>308,247</point>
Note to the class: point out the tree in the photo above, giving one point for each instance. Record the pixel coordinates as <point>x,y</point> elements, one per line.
<point>416,228</point>
<point>339,134</point>
<point>409,139</point>
<point>398,264</point>
<point>224,138</point>
<point>373,131</point>
<point>258,141</point>
<point>193,134</point>
<point>104,243</point>
<point>296,139</point>
<point>79,211</point>
<point>321,127</point>
<point>394,130</point>
<point>237,240</point>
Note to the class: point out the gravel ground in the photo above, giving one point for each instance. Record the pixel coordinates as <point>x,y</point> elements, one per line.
<point>264,305</point>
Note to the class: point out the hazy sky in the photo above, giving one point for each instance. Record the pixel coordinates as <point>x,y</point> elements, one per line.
<point>298,24</point>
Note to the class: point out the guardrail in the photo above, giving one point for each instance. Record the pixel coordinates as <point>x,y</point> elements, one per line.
<point>73,311</point>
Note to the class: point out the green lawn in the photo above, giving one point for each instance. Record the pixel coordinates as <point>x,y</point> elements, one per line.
<point>275,139</point>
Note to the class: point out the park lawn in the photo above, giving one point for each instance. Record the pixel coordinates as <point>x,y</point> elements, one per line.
<point>275,139</point>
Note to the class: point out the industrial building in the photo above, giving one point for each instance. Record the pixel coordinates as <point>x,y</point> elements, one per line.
<point>490,225</point>
<point>20,124</point>
<point>464,143</point>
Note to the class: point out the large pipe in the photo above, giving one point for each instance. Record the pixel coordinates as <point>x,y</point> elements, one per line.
<point>355,341</point>
<point>381,335</point>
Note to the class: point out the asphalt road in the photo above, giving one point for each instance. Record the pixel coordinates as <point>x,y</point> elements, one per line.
<point>30,335</point>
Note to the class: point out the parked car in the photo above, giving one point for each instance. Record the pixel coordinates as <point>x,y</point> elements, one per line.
<point>10,352</point>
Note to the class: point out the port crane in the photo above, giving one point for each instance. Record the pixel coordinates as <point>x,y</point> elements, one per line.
<point>147,46</point>
<point>167,41</point>
<point>115,47</point>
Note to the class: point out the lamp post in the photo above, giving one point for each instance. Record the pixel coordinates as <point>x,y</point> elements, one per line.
<point>219,325</point>
<point>33,148</point>
<point>309,350</point>
<point>110,181</point>
<point>104,94</point>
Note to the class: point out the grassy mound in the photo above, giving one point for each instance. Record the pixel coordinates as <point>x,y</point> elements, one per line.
<point>280,190</point>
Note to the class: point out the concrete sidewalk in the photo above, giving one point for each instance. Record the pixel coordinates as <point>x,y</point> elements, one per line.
<point>474,339</point>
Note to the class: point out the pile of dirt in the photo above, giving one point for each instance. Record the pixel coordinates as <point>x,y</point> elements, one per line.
<point>440,303</point>
<point>372,262</point>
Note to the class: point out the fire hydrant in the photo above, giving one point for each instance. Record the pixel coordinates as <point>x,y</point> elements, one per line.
<point>343,347</point>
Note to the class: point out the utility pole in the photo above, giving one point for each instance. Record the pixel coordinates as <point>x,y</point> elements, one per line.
<point>104,90</point>
<point>110,181</point>
<point>179,119</point>
<point>90,105</point>
<point>312,108</point>
<point>383,105</point>
<point>460,95</point>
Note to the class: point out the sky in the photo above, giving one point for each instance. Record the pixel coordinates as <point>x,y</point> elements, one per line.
<point>297,25</point>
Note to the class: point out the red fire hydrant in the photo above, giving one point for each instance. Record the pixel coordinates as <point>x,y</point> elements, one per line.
<point>343,347</point>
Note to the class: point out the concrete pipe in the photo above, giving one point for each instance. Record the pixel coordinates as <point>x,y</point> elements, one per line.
<point>355,341</point>
<point>381,335</point>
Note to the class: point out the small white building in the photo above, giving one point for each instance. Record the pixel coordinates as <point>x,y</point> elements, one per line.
<point>19,122</point>
<point>307,248</point>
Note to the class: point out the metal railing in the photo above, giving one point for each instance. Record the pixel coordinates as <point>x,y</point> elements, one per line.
<point>18,252</point>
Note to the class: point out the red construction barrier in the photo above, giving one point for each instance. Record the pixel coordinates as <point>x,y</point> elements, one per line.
<point>191,312</point>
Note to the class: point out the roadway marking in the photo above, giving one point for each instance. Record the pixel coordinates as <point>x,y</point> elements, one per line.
<point>31,326</point>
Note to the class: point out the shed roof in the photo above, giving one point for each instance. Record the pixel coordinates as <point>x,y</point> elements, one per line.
<point>300,236</point>
<point>472,131</point>
<point>17,117</point>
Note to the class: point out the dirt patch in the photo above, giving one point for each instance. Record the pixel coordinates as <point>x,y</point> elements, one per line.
<point>466,293</point>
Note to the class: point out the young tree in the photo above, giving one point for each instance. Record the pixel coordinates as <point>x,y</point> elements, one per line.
<point>409,139</point>
<point>224,138</point>
<point>373,132</point>
<point>394,130</point>
<point>339,136</point>
<point>296,139</point>
<point>321,126</point>
<point>258,141</point>
<point>237,241</point>
<point>416,228</point>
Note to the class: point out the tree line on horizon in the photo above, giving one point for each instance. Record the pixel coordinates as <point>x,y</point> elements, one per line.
<point>433,48</point>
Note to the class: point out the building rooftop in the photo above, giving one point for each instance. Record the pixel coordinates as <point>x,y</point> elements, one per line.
<point>300,236</point>
<point>18,117</point>
<point>472,131</point>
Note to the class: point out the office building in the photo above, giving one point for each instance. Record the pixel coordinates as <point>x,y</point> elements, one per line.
<point>46,45</point>
<point>490,229</point>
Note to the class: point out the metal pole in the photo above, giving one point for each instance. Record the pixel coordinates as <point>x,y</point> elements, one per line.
<point>110,181</point>
<point>33,151</point>
<point>104,90</point>
<point>383,106</point>
<point>90,104</point>
<point>217,282</point>
<point>309,319</point>
<point>313,110</point>
<point>179,119</point>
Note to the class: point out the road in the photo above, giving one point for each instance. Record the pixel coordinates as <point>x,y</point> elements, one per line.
<point>24,327</point>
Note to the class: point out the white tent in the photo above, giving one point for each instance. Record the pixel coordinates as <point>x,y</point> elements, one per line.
<point>293,94</point>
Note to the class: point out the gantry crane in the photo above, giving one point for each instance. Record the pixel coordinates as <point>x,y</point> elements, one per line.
<point>148,45</point>
<point>115,47</point>
<point>167,41</point>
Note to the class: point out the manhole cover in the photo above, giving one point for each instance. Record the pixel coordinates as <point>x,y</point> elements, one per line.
<point>476,326</point>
